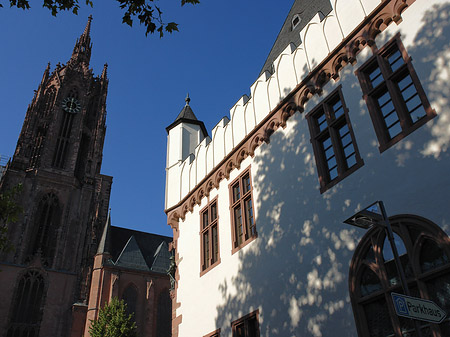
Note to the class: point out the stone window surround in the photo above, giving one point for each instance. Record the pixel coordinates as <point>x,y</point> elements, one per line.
<point>322,168</point>
<point>208,230</point>
<point>241,203</point>
<point>378,60</point>
<point>244,319</point>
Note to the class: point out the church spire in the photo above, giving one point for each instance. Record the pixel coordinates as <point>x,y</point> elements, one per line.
<point>82,50</point>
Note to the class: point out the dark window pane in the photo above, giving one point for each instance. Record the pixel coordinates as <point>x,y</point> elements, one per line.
<point>332,163</point>
<point>205,219</point>
<point>206,249</point>
<point>333,173</point>
<point>129,296</point>
<point>418,113</point>
<point>215,245</point>
<point>384,98</point>
<point>240,330</point>
<point>431,256</point>
<point>387,108</point>
<point>391,119</point>
<point>349,150</point>
<point>238,224</point>
<point>338,109</point>
<point>351,161</point>
<point>395,129</point>
<point>405,83</point>
<point>378,320</point>
<point>395,60</point>
<point>413,102</point>
<point>370,256</point>
<point>347,139</point>
<point>249,218</point>
<point>247,185</point>
<point>236,193</point>
<point>375,77</point>
<point>370,283</point>
<point>321,122</point>
<point>213,212</point>
<point>439,292</point>
<point>329,153</point>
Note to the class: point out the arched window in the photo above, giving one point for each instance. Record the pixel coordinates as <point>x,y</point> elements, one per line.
<point>164,319</point>
<point>27,307</point>
<point>46,225</point>
<point>424,251</point>
<point>49,99</point>
<point>130,296</point>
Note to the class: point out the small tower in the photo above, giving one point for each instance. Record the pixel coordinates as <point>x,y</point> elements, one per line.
<point>184,134</point>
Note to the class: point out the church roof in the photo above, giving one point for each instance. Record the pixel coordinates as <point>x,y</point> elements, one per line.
<point>187,116</point>
<point>139,250</point>
<point>305,10</point>
<point>131,256</point>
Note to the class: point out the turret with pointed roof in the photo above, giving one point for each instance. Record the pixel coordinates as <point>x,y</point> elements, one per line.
<point>184,134</point>
<point>187,116</point>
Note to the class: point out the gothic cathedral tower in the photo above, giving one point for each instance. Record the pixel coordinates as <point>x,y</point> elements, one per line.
<point>44,281</point>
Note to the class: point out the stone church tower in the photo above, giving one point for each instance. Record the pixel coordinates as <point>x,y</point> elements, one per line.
<point>44,281</point>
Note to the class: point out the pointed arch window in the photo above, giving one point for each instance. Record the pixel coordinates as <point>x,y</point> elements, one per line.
<point>164,312</point>
<point>424,251</point>
<point>63,140</point>
<point>49,99</point>
<point>46,226</point>
<point>130,296</point>
<point>26,314</point>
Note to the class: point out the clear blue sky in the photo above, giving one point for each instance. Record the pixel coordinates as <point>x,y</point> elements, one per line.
<point>216,57</point>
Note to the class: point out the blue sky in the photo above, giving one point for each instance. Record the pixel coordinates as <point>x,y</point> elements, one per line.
<point>216,57</point>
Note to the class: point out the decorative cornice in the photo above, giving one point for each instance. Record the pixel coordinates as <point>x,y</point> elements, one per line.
<point>362,36</point>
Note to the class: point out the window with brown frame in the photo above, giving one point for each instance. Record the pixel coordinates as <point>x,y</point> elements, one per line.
<point>333,140</point>
<point>209,234</point>
<point>247,326</point>
<point>213,334</point>
<point>424,251</point>
<point>242,211</point>
<point>394,96</point>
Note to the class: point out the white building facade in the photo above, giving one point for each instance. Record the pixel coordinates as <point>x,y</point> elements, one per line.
<point>356,110</point>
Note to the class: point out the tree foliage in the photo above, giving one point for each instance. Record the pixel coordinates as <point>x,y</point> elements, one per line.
<point>113,321</point>
<point>9,213</point>
<point>144,11</point>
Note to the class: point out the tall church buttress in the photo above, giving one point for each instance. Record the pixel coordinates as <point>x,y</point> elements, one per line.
<point>58,161</point>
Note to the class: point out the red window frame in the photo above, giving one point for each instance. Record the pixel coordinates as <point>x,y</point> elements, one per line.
<point>242,211</point>
<point>334,144</point>
<point>209,237</point>
<point>247,326</point>
<point>394,96</point>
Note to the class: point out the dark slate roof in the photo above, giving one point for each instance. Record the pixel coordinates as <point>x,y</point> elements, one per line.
<point>138,250</point>
<point>161,262</point>
<point>306,9</point>
<point>131,256</point>
<point>187,116</point>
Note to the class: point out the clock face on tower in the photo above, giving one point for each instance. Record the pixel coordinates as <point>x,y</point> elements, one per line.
<point>71,104</point>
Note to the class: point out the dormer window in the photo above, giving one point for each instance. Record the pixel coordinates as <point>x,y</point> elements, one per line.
<point>296,19</point>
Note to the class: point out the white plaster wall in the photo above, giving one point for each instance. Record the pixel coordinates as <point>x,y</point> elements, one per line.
<point>296,271</point>
<point>294,63</point>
